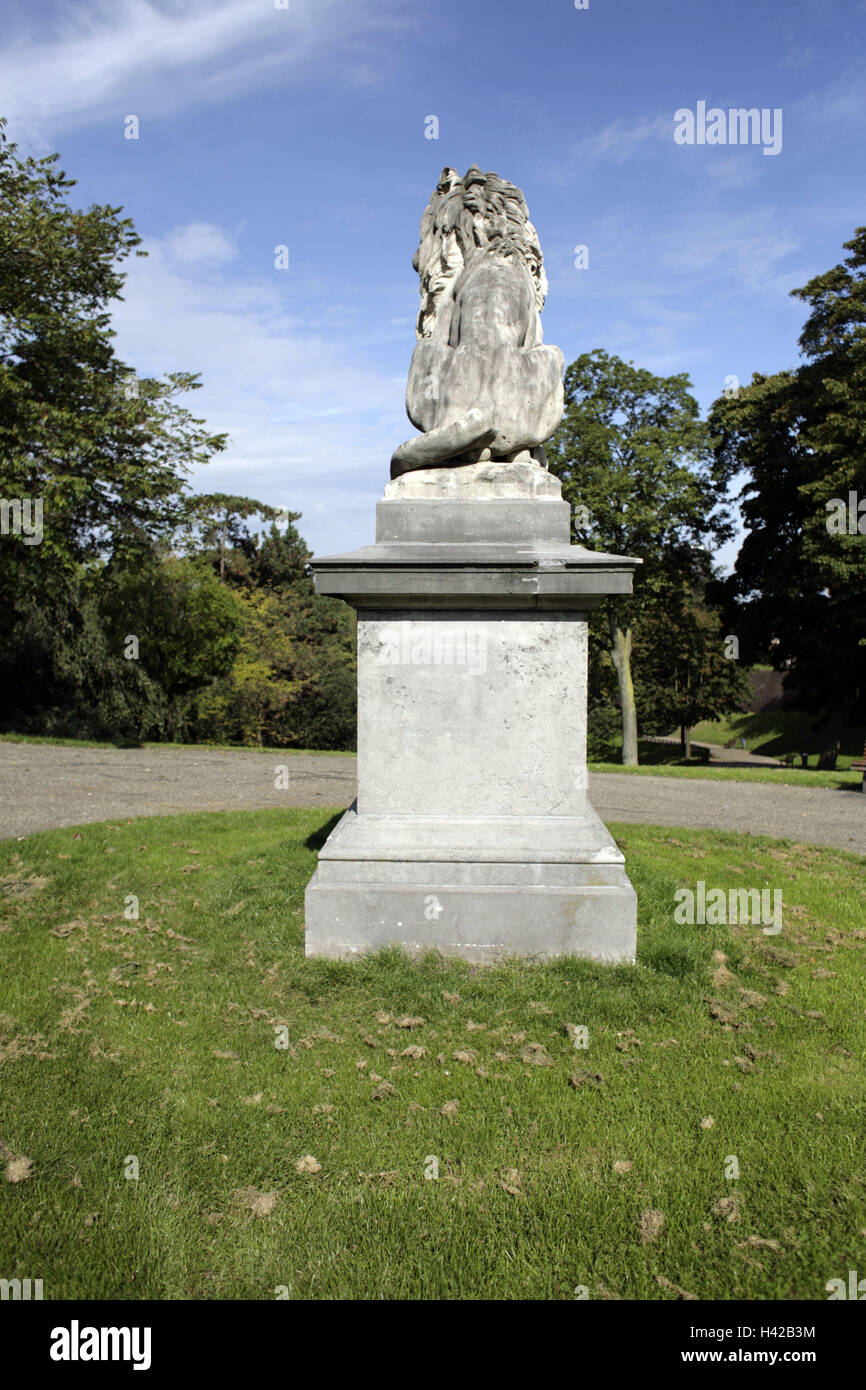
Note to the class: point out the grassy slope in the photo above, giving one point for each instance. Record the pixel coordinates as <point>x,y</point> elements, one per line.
<point>193,747</point>
<point>155,1038</point>
<point>775,733</point>
<point>787,776</point>
<point>665,760</point>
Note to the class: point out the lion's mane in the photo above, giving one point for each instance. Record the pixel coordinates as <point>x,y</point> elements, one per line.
<point>465,217</point>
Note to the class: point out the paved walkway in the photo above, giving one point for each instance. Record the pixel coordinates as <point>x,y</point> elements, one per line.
<point>719,754</point>
<point>43,787</point>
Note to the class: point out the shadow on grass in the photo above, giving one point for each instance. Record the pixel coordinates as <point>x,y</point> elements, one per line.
<point>318,837</point>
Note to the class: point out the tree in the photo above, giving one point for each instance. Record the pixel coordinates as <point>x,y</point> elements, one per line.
<point>685,669</point>
<point>636,465</point>
<point>106,452</point>
<point>178,621</point>
<point>104,455</point>
<point>306,694</point>
<point>219,518</point>
<point>798,593</point>
<point>107,456</point>
<point>248,703</point>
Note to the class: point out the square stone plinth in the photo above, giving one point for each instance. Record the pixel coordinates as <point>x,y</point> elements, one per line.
<point>472,833</point>
<point>471,712</point>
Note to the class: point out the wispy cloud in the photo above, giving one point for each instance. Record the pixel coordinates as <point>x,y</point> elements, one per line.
<point>731,171</point>
<point>619,140</point>
<point>122,56</point>
<point>198,244</point>
<point>312,423</point>
<point>833,108</point>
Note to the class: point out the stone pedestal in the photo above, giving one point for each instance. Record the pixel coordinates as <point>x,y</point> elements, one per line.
<point>472,833</point>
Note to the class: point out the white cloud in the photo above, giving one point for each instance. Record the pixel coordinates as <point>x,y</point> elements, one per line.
<point>840,106</point>
<point>731,171</point>
<point>619,140</point>
<point>741,250</point>
<point>152,58</point>
<point>312,423</point>
<point>198,244</point>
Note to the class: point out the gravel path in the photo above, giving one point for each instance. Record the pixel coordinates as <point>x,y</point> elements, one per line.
<point>813,815</point>
<point>43,787</point>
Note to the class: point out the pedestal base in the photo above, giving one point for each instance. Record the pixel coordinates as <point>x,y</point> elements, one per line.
<point>480,889</point>
<point>473,835</point>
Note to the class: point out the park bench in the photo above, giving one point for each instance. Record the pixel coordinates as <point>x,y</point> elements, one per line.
<point>861,767</point>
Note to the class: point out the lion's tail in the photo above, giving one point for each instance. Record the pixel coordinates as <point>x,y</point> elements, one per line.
<point>445,443</point>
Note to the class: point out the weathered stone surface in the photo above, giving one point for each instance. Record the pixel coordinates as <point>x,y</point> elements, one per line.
<point>482,385</point>
<point>475,482</point>
<point>480,504</point>
<point>482,888</point>
<point>495,519</point>
<point>505,575</point>
<point>446,674</point>
<point>472,833</point>
<point>482,924</point>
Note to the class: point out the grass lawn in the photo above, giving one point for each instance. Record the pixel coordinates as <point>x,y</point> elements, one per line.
<point>211,747</point>
<point>303,1168</point>
<point>777,732</point>
<point>787,776</point>
<point>665,760</point>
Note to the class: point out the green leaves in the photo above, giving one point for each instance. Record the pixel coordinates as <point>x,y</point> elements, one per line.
<point>636,463</point>
<point>633,452</point>
<point>108,454</point>
<point>799,587</point>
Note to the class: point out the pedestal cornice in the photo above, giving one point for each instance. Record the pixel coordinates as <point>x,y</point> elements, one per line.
<point>474,575</point>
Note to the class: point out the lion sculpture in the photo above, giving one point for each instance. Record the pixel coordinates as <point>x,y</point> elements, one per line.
<point>482,385</point>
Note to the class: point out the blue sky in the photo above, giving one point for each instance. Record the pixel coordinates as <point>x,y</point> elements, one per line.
<point>304,126</point>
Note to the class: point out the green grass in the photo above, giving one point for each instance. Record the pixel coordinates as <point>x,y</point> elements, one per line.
<point>777,732</point>
<point>154,1038</point>
<point>665,760</point>
<point>219,747</point>
<point>788,776</point>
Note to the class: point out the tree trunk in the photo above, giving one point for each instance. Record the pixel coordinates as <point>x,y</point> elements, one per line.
<point>831,735</point>
<point>686,741</point>
<point>621,652</point>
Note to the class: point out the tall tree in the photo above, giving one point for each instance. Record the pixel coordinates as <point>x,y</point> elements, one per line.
<point>104,456</point>
<point>799,585</point>
<point>106,453</point>
<point>687,669</point>
<point>636,465</point>
<point>248,703</point>
<point>176,619</point>
<point>219,518</point>
<point>321,709</point>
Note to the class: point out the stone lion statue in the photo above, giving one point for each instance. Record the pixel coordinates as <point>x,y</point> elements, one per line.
<point>481,383</point>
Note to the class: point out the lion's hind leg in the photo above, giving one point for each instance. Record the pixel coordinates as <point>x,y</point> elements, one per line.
<point>473,429</point>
